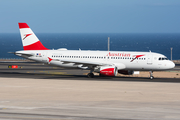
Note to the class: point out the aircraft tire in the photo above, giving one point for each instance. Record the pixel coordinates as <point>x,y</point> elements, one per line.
<point>90,75</point>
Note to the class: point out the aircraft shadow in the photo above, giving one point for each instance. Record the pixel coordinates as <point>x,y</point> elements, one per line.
<point>84,77</point>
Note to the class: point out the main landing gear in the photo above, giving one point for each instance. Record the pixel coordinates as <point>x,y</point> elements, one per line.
<point>151,75</point>
<point>90,75</point>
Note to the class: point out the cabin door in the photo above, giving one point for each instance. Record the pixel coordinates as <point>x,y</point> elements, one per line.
<point>44,57</point>
<point>149,59</point>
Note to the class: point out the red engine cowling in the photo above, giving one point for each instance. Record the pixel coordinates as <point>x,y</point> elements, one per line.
<point>108,71</point>
<point>126,72</point>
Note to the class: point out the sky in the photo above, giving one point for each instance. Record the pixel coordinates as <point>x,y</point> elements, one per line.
<point>91,16</point>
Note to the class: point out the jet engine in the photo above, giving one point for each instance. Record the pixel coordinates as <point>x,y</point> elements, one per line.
<point>126,72</point>
<point>107,70</point>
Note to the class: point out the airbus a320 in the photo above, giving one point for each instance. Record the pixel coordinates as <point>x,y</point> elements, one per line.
<point>106,63</point>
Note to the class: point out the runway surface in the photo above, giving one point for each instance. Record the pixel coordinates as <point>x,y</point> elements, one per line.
<point>35,91</point>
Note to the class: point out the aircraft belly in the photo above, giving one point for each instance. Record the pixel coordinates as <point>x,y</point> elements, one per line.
<point>141,66</point>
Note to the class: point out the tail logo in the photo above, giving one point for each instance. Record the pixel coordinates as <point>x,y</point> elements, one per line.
<point>26,35</point>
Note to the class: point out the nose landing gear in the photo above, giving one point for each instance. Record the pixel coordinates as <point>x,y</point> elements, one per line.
<point>151,75</point>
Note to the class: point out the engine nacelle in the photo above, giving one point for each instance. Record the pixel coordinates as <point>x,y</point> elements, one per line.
<point>126,72</point>
<point>108,70</point>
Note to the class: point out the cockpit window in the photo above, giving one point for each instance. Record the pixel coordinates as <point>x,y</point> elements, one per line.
<point>163,58</point>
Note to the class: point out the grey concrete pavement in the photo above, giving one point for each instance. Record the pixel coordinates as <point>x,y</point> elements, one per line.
<point>59,94</point>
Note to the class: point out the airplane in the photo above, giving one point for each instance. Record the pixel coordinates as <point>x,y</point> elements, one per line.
<point>106,63</point>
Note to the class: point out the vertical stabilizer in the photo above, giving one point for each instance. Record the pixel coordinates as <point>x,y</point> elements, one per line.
<point>29,39</point>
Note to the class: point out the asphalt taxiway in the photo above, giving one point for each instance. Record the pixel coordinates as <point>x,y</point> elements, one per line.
<point>36,91</point>
<point>40,71</point>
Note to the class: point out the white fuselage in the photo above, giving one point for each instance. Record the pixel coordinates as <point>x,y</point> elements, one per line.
<point>123,60</point>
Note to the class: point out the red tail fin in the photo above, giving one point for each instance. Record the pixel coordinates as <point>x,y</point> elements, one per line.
<point>29,39</point>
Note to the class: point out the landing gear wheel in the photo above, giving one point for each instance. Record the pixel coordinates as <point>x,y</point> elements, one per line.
<point>90,75</point>
<point>151,77</point>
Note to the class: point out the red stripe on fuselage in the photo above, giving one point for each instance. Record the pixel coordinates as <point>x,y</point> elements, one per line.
<point>35,46</point>
<point>23,25</point>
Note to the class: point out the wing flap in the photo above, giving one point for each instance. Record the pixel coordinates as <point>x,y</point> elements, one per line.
<point>85,63</point>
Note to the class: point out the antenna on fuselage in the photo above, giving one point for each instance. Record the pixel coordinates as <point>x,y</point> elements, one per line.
<point>108,43</point>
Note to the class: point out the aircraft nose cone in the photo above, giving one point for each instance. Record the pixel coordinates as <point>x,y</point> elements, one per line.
<point>171,65</point>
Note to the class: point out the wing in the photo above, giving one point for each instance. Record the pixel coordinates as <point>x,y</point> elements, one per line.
<point>81,64</point>
<point>86,63</point>
<point>90,64</point>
